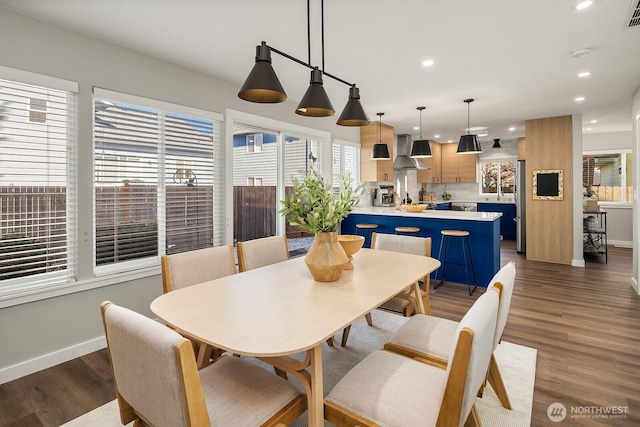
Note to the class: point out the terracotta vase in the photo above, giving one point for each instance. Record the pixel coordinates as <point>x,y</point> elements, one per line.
<point>326,257</point>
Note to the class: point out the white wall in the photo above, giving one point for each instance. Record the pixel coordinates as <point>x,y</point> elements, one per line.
<point>36,335</point>
<point>635,111</point>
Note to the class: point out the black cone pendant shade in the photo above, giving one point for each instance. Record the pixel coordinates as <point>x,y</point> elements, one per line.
<point>469,143</point>
<point>353,113</point>
<point>496,143</point>
<point>262,85</point>
<point>315,102</point>
<point>380,150</point>
<point>420,148</point>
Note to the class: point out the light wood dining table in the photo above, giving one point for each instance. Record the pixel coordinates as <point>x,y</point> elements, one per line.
<point>278,310</point>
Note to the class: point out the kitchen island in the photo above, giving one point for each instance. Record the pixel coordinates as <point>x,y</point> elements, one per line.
<point>483,228</point>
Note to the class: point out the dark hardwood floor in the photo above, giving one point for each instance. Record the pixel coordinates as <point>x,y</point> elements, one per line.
<point>585,323</point>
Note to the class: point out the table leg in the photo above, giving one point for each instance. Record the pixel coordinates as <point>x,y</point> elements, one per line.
<point>316,405</point>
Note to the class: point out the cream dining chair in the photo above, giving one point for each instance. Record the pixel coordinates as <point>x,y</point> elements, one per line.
<point>403,302</point>
<point>260,252</point>
<point>388,389</point>
<point>430,338</point>
<point>158,384</point>
<point>193,267</point>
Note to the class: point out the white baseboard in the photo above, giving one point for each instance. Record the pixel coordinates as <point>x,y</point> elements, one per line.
<point>625,243</point>
<point>45,361</point>
<point>577,263</point>
<point>634,285</point>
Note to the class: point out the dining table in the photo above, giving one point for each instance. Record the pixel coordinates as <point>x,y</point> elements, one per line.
<point>276,311</point>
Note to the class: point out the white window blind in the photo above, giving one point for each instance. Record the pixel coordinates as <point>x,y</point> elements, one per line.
<point>346,158</point>
<point>37,201</point>
<point>158,180</point>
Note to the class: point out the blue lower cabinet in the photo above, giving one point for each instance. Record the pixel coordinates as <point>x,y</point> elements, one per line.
<point>507,223</point>
<point>484,240</point>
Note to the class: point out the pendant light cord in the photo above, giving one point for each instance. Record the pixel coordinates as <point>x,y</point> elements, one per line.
<point>309,33</point>
<point>420,124</point>
<point>468,120</point>
<point>322,24</point>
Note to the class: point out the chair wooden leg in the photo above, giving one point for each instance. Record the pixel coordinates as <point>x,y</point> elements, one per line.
<point>345,335</point>
<point>495,380</point>
<point>473,420</point>
<point>330,341</point>
<point>369,319</point>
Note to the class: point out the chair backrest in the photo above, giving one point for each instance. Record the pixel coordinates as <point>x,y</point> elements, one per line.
<point>401,243</point>
<point>260,252</point>
<point>469,359</point>
<point>505,280</point>
<point>154,370</point>
<point>193,267</point>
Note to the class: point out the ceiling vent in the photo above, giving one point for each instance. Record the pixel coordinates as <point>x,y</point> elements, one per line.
<point>633,16</point>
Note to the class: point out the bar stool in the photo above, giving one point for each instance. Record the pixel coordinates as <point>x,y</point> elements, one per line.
<point>464,238</point>
<point>412,231</point>
<point>366,230</point>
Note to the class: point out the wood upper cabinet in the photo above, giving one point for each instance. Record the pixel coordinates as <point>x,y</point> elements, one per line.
<point>375,170</point>
<point>458,167</point>
<point>433,175</point>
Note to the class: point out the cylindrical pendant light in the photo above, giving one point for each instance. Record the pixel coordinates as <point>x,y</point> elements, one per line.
<point>469,143</point>
<point>380,150</point>
<point>353,113</point>
<point>262,85</point>
<point>420,148</point>
<point>315,102</point>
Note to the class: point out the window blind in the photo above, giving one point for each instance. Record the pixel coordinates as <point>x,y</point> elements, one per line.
<point>158,181</point>
<point>37,202</point>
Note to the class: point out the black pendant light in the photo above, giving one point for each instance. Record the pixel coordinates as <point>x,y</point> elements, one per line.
<point>353,113</point>
<point>496,143</point>
<point>315,102</point>
<point>469,143</point>
<point>262,85</point>
<point>420,148</point>
<point>380,150</point>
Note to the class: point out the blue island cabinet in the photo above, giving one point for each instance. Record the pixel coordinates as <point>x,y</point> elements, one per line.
<point>507,221</point>
<point>484,240</point>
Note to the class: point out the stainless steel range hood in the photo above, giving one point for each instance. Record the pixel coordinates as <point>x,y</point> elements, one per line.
<point>403,161</point>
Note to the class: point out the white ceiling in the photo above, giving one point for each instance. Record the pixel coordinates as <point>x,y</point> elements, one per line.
<point>513,57</point>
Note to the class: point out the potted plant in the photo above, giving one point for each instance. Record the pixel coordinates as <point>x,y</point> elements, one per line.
<point>313,207</point>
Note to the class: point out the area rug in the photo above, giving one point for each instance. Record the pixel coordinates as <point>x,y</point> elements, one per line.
<point>517,364</point>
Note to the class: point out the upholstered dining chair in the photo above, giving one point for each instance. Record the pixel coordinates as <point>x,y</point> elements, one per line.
<point>158,384</point>
<point>389,389</point>
<point>430,338</point>
<point>409,245</point>
<point>260,252</point>
<point>193,267</point>
<point>403,302</point>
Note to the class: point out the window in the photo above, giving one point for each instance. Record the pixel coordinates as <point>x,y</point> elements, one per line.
<point>498,177</point>
<point>158,183</point>
<point>254,143</point>
<point>608,176</point>
<point>37,200</point>
<point>346,158</point>
<point>253,181</point>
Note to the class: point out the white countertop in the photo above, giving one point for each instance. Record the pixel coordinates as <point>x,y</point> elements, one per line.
<point>434,214</point>
<point>505,201</point>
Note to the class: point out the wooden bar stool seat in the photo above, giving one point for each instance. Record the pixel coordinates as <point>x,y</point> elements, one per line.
<point>366,230</point>
<point>444,241</point>
<point>407,230</point>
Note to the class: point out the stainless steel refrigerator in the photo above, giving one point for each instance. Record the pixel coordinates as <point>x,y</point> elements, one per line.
<point>520,196</point>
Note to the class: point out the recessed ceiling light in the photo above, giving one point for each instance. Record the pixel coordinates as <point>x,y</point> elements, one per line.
<point>580,99</point>
<point>578,53</point>
<point>436,136</point>
<point>587,129</point>
<point>427,63</point>
<point>483,133</point>
<point>512,129</point>
<point>593,121</point>
<point>584,74</point>
<point>583,5</point>
<point>450,140</point>
<point>416,127</point>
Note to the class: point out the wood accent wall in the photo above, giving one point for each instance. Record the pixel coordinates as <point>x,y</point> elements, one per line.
<point>550,222</point>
